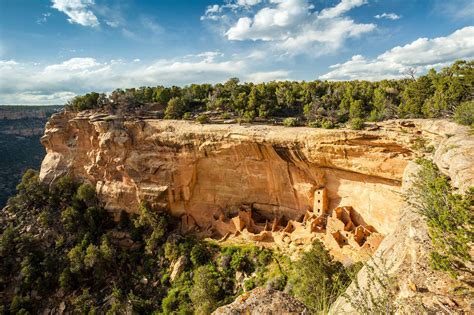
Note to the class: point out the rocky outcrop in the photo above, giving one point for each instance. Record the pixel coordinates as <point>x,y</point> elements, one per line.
<point>261,301</point>
<point>204,171</point>
<point>404,253</point>
<point>275,184</point>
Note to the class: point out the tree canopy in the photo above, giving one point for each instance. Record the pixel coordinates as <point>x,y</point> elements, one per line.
<point>314,103</point>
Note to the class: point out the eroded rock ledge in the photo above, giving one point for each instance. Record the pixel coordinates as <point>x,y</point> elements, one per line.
<point>209,174</point>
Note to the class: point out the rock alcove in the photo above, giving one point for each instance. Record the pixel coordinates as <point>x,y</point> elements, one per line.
<point>267,184</point>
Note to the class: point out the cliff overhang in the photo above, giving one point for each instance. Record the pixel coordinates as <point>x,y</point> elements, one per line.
<point>256,182</point>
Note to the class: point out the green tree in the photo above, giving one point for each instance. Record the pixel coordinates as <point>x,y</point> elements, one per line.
<point>415,95</point>
<point>86,194</point>
<point>464,113</point>
<point>318,279</point>
<point>162,95</point>
<point>87,101</point>
<point>205,293</point>
<point>356,109</point>
<point>175,109</point>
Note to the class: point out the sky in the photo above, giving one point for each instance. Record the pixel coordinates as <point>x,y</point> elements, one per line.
<point>53,50</point>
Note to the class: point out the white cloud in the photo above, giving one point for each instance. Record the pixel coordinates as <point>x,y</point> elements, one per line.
<point>390,16</point>
<point>341,8</point>
<point>248,2</point>
<point>293,26</point>
<point>78,11</point>
<point>113,24</point>
<point>214,12</point>
<point>29,83</point>
<point>43,19</point>
<point>266,76</point>
<point>422,54</point>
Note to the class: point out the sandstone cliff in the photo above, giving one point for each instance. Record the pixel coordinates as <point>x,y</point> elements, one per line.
<point>202,170</point>
<point>249,180</point>
<point>404,253</point>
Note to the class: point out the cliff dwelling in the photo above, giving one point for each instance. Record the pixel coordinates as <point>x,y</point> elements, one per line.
<point>271,185</point>
<point>341,229</point>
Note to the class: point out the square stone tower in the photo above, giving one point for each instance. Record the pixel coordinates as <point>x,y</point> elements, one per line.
<point>320,205</point>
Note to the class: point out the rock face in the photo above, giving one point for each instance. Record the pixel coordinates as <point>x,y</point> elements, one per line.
<point>404,254</point>
<point>274,184</point>
<point>20,130</point>
<point>263,302</point>
<point>204,171</point>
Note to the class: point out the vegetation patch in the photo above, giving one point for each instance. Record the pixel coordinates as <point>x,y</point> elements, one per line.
<point>317,104</point>
<point>59,246</point>
<point>450,217</point>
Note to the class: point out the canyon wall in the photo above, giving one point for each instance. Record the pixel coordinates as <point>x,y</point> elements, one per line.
<point>20,149</point>
<point>241,177</point>
<point>206,171</point>
<point>404,254</point>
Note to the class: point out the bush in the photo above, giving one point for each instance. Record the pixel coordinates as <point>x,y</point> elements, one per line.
<point>378,294</point>
<point>88,101</point>
<point>202,119</point>
<point>290,122</point>
<point>356,123</point>
<point>177,302</point>
<point>86,194</point>
<point>314,124</point>
<point>175,109</point>
<point>464,114</point>
<point>240,262</point>
<point>205,293</point>
<point>318,280</point>
<point>71,219</point>
<point>249,284</point>
<point>66,280</point>
<point>327,124</point>
<point>200,255</point>
<point>449,216</point>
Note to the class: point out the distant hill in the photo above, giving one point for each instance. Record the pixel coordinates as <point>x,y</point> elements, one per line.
<point>21,128</point>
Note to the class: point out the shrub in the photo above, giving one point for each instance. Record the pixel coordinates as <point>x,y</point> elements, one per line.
<point>205,292</point>
<point>76,258</point>
<point>175,109</point>
<point>20,305</point>
<point>200,254</point>
<point>97,219</point>
<point>318,280</point>
<point>290,122</point>
<point>177,302</point>
<point>86,194</point>
<point>249,284</point>
<point>356,123</point>
<point>277,283</point>
<point>71,219</point>
<point>202,119</point>
<point>87,101</point>
<point>314,124</point>
<point>449,217</point>
<point>464,114</point>
<point>356,109</point>
<point>187,116</point>
<point>378,294</point>
<point>327,124</point>
<point>240,262</point>
<point>66,280</point>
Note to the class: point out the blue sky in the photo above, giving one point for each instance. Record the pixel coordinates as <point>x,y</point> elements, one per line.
<point>51,50</point>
